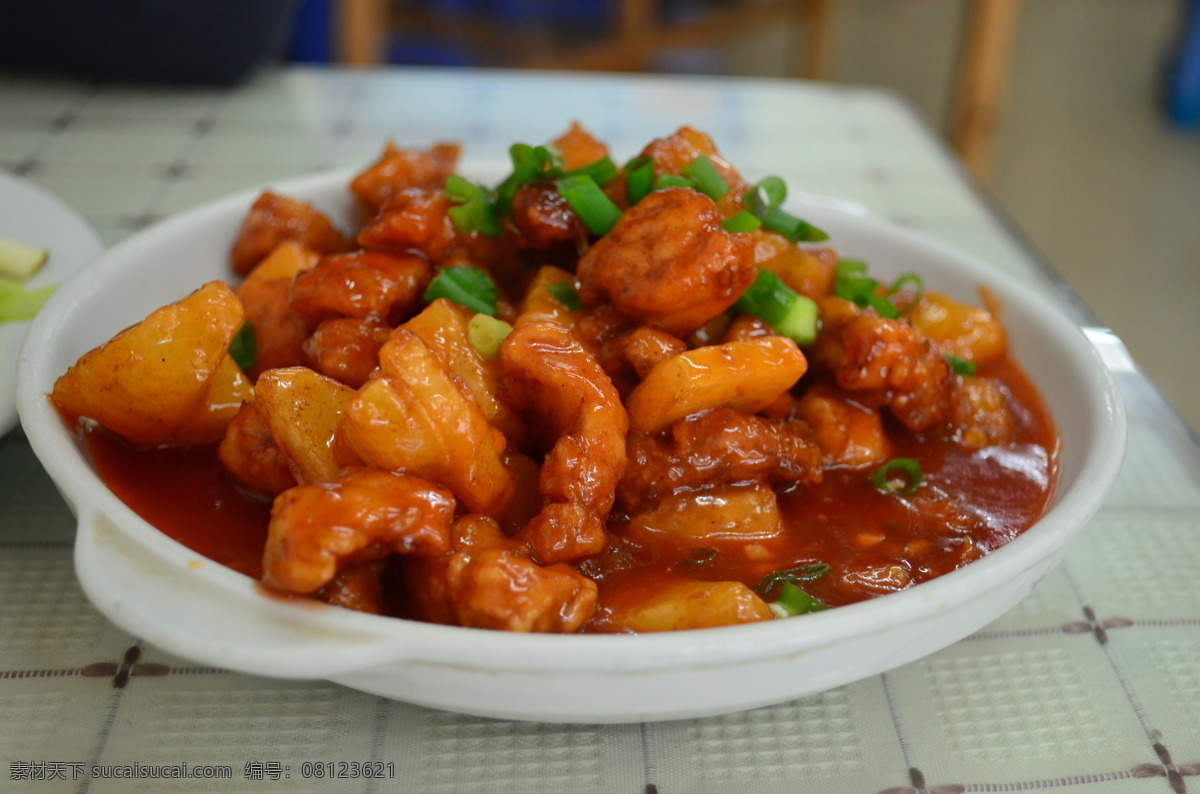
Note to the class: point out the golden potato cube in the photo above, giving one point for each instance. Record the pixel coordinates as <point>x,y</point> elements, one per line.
<point>747,375</point>
<point>303,410</point>
<point>285,262</point>
<point>227,390</point>
<point>960,329</point>
<point>417,419</point>
<point>442,326</point>
<point>149,380</point>
<point>692,605</point>
<point>700,519</point>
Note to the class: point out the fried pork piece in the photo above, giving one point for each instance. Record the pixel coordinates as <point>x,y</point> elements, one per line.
<point>675,152</point>
<point>969,332</point>
<point>356,588</point>
<point>646,347</point>
<point>279,332</point>
<point>982,417</point>
<point>398,169</point>
<point>488,581</point>
<point>884,361</point>
<point>548,374</point>
<point>848,433</point>
<point>346,348</point>
<point>272,220</point>
<point>720,446</point>
<point>415,219</point>
<point>318,530</point>
<point>251,454</point>
<point>668,264</point>
<point>379,284</point>
<point>544,217</point>
<point>578,147</point>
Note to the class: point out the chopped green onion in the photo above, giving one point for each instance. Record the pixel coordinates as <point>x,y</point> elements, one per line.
<point>475,209</point>
<point>852,283</point>
<point>786,311</point>
<point>766,194</point>
<point>487,333</point>
<point>601,171</point>
<point>793,228</point>
<point>590,203</point>
<point>701,555</point>
<point>18,303</point>
<point>706,178</point>
<point>794,601</point>
<point>809,572</point>
<point>960,366</point>
<point>918,285</point>
<point>465,285</point>
<point>565,294</point>
<point>242,348</point>
<point>741,221</point>
<point>639,178</point>
<point>900,476</point>
<point>663,181</point>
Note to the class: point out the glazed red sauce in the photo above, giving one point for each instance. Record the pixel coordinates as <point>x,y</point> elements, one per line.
<point>970,503</point>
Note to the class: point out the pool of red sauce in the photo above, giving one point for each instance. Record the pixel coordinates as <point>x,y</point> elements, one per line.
<point>969,503</point>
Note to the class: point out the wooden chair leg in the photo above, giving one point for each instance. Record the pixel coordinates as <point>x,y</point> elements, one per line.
<point>817,17</point>
<point>359,27</point>
<point>982,74</point>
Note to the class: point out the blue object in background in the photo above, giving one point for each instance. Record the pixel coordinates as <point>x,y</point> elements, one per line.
<point>311,40</point>
<point>1183,81</point>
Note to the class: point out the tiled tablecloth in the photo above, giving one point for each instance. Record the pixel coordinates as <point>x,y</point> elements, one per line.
<point>1091,684</point>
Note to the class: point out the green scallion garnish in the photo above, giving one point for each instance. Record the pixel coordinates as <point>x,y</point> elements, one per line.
<point>487,333</point>
<point>565,294</point>
<point>794,601</point>
<point>903,283</point>
<point>664,181</point>
<point>474,210</point>
<point>741,221</point>
<point>639,178</point>
<point>242,348</point>
<point>789,313</point>
<point>594,208</point>
<point>901,476</point>
<point>466,285</point>
<point>700,556</point>
<point>852,283</point>
<point>706,178</point>
<point>601,171</point>
<point>19,303</point>
<point>960,366</point>
<point>809,572</point>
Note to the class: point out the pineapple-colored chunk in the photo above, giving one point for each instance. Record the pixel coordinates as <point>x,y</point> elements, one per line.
<point>692,605</point>
<point>303,410</point>
<point>699,519</point>
<point>148,381</point>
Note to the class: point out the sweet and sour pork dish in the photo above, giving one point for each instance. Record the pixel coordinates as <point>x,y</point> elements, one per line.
<point>594,397</point>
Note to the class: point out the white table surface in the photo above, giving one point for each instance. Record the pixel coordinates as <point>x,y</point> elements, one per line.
<point>1090,684</point>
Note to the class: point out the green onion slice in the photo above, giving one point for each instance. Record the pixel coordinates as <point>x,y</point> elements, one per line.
<point>601,171</point>
<point>809,572</point>
<point>19,303</point>
<point>465,285</point>
<point>595,209</point>
<point>701,555</point>
<point>960,366</point>
<point>242,348</point>
<point>663,181</point>
<point>791,314</point>
<point>639,178</point>
<point>565,294</point>
<point>793,228</point>
<point>794,601</point>
<point>475,209</point>
<point>706,177</point>
<point>903,282</point>
<point>852,283</point>
<point>741,221</point>
<point>901,476</point>
<point>766,194</point>
<point>487,333</point>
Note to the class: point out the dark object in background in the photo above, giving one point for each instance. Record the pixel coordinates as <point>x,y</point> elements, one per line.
<point>1183,78</point>
<point>170,41</point>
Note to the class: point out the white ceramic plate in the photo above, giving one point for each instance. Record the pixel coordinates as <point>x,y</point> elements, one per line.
<point>198,609</point>
<point>32,215</point>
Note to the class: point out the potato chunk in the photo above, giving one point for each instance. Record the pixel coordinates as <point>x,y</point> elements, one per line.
<point>692,605</point>
<point>148,381</point>
<point>303,411</point>
<point>747,375</point>
<point>417,418</point>
<point>699,519</point>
